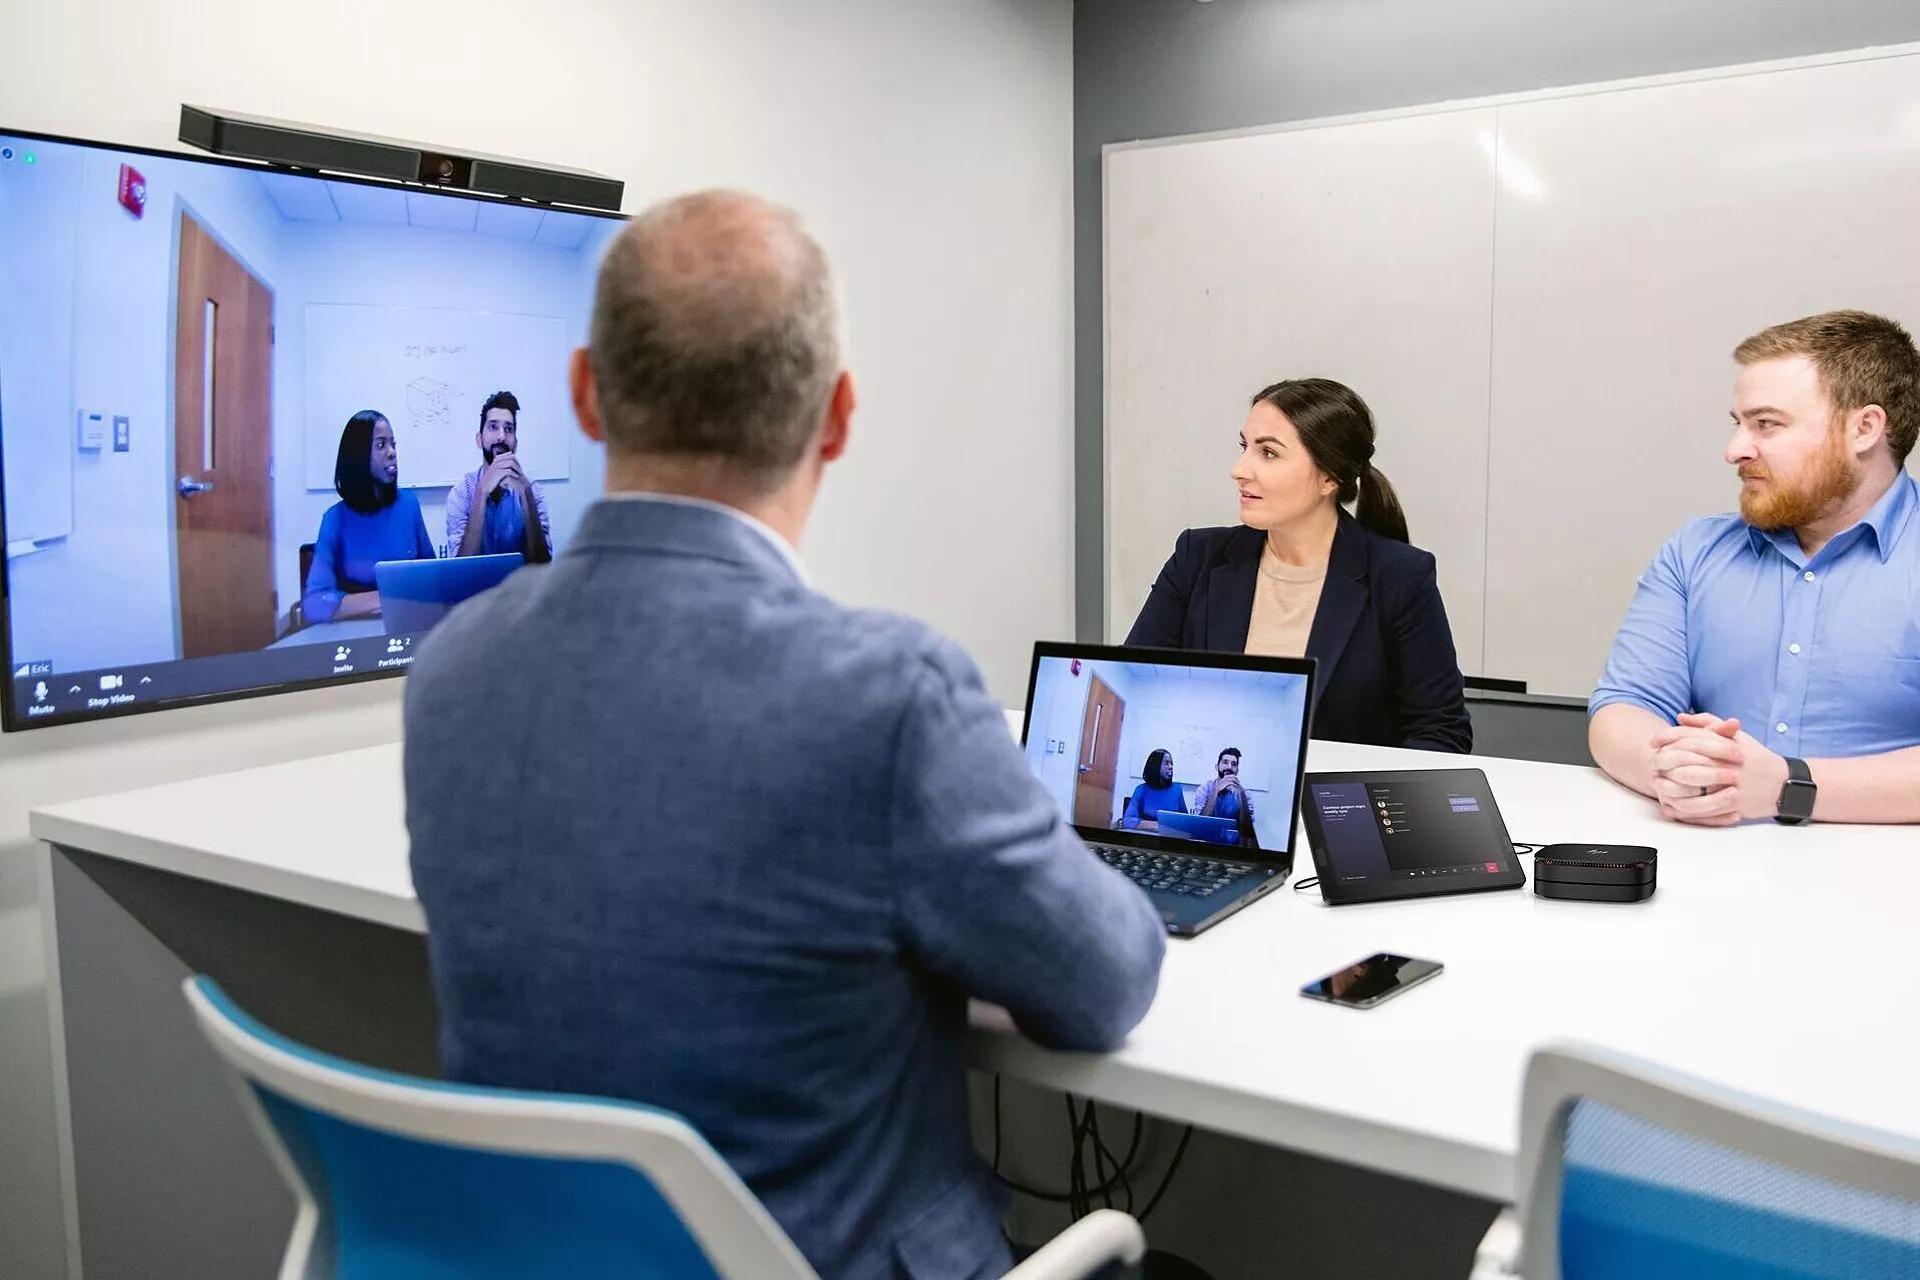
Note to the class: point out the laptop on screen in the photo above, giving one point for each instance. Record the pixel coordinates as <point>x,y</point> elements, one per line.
<point>416,594</point>
<point>1180,770</point>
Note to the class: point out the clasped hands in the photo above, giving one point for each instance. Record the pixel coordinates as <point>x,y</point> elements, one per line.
<point>503,473</point>
<point>1710,772</point>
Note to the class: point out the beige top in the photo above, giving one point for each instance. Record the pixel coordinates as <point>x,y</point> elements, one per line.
<point>1285,598</point>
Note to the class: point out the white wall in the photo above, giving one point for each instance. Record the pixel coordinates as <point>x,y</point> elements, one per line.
<point>929,147</point>
<point>38,261</point>
<point>103,595</point>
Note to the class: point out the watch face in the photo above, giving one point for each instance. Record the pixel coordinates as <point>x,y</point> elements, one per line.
<point>1796,800</point>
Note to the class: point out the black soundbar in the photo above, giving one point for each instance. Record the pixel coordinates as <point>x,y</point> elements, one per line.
<point>305,146</point>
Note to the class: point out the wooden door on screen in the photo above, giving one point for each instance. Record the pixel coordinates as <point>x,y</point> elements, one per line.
<point>1097,767</point>
<point>221,486</point>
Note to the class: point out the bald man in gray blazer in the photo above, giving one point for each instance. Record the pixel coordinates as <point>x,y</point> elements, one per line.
<point>713,842</point>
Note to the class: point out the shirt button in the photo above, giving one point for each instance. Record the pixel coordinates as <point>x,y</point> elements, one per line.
<point>1781,727</point>
<point>1793,648</point>
<point>1808,575</point>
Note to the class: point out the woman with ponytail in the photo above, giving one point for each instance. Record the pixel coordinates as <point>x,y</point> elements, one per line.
<point>1299,575</point>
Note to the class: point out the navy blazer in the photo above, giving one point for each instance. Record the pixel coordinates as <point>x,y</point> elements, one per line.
<point>1387,675</point>
<point>690,833</point>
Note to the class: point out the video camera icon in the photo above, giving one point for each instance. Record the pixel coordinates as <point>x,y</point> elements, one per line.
<point>110,683</point>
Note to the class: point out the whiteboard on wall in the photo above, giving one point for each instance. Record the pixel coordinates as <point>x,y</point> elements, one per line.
<point>1231,265</point>
<point>429,370</point>
<point>1537,294</point>
<point>1676,219</point>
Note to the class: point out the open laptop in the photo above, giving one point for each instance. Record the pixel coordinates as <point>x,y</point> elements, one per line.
<point>416,594</point>
<point>1181,770</point>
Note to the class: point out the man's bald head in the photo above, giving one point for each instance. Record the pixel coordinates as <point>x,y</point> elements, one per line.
<point>715,335</point>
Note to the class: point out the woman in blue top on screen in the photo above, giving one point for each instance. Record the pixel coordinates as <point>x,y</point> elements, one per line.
<point>1299,576</point>
<point>1156,792</point>
<point>374,520</point>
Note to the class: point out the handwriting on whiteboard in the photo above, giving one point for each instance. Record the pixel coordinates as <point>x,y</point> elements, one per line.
<point>418,351</point>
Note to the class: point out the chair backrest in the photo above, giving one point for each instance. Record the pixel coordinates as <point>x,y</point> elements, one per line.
<point>399,1176</point>
<point>306,564</point>
<point>1630,1170</point>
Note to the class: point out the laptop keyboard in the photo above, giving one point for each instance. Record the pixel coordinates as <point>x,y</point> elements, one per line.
<point>1171,872</point>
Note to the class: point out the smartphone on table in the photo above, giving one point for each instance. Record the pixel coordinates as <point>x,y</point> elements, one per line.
<point>1366,983</point>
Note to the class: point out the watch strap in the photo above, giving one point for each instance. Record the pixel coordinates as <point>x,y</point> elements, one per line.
<point>1795,805</point>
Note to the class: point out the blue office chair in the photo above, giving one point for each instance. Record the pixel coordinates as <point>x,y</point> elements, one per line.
<point>395,1176</point>
<point>1630,1170</point>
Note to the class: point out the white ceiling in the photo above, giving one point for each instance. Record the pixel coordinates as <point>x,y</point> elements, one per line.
<point>304,199</point>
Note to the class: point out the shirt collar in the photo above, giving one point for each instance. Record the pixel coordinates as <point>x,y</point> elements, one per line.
<point>761,527</point>
<point>1886,520</point>
<point>1893,513</point>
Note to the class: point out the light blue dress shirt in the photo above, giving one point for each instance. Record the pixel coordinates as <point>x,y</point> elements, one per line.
<point>1817,657</point>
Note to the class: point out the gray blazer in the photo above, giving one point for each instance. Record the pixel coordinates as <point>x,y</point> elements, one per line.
<point>689,833</point>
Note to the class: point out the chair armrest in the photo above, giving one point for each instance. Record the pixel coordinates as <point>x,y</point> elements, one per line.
<point>1499,1251</point>
<point>1102,1237</point>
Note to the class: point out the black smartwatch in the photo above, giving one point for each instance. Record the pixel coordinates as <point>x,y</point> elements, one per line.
<point>1796,797</point>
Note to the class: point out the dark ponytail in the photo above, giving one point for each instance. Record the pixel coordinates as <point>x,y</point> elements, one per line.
<point>1336,428</point>
<point>1379,507</point>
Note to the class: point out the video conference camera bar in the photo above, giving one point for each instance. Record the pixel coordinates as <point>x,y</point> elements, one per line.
<point>309,147</point>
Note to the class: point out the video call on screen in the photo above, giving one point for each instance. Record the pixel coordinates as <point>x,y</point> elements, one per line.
<point>1412,828</point>
<point>1205,755</point>
<point>242,418</point>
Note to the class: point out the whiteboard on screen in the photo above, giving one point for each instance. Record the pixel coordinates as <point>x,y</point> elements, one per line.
<point>429,370</point>
<point>1199,713</point>
<point>1538,296</point>
<point>1196,747</point>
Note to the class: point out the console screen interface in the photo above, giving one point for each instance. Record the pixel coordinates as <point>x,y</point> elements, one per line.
<point>1410,828</point>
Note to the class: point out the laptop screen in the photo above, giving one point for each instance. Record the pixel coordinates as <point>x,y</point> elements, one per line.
<point>1208,753</point>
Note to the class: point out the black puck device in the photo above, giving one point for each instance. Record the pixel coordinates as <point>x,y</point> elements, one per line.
<point>1595,872</point>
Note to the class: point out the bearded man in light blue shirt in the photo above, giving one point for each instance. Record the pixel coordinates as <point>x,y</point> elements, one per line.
<point>1769,666</point>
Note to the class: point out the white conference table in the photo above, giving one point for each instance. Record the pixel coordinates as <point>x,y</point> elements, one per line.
<point>1775,960</point>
